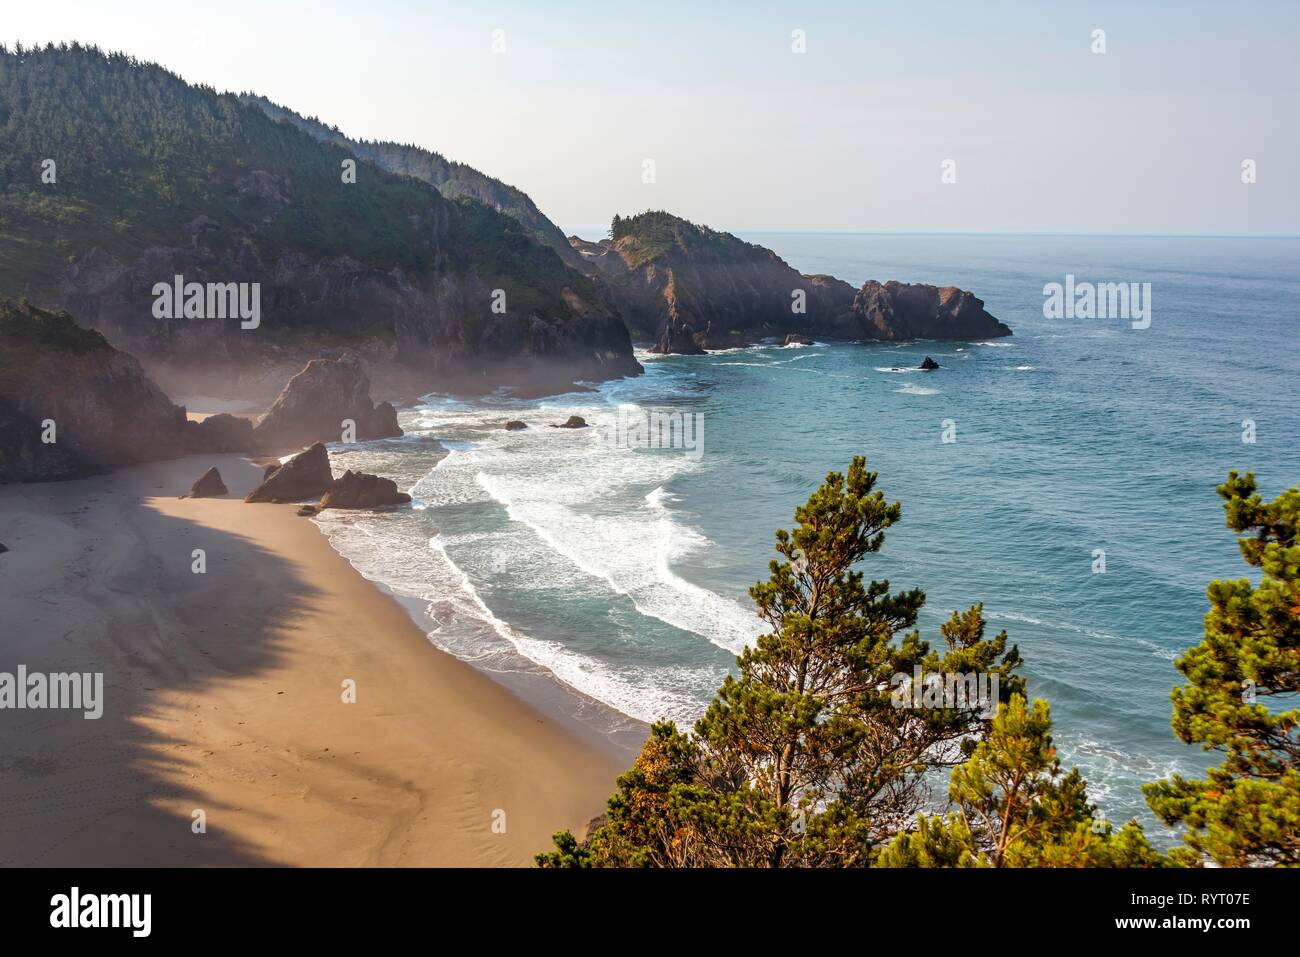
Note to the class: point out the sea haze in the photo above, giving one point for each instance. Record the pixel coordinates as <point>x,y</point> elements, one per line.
<point>621,577</point>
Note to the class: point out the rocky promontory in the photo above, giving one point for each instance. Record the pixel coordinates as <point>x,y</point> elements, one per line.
<point>894,311</point>
<point>688,289</point>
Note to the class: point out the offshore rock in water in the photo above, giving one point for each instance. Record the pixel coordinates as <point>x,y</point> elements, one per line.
<point>363,490</point>
<point>928,364</point>
<point>572,422</point>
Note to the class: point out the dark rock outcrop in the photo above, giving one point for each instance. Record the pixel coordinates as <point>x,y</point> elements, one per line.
<point>105,412</point>
<point>515,425</point>
<point>306,475</point>
<point>679,338</point>
<point>209,485</point>
<point>362,490</point>
<point>315,403</point>
<point>686,288</point>
<point>928,364</point>
<point>797,340</point>
<point>572,422</point>
<point>2,548</point>
<point>218,434</point>
<point>895,311</point>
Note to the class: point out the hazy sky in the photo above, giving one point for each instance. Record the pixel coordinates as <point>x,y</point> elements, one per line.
<point>1047,136</point>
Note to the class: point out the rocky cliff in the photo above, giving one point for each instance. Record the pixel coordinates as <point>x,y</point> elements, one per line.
<point>687,288</point>
<point>63,383</point>
<point>153,178</point>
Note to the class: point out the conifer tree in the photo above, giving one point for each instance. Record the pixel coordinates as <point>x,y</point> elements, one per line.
<point>804,758</point>
<point>1016,807</point>
<point>1242,682</point>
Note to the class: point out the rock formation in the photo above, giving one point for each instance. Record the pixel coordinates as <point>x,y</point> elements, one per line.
<point>797,340</point>
<point>61,382</point>
<point>362,490</point>
<point>686,289</point>
<point>317,401</point>
<point>515,425</point>
<point>895,311</point>
<point>209,485</point>
<point>572,422</point>
<point>306,475</point>
<point>679,338</point>
<point>218,434</point>
<point>928,364</point>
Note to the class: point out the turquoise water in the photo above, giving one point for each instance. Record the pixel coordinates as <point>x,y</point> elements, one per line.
<point>622,574</point>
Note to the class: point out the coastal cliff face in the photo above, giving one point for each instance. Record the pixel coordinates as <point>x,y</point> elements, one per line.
<point>60,381</point>
<point>676,282</point>
<point>153,178</point>
<point>689,289</point>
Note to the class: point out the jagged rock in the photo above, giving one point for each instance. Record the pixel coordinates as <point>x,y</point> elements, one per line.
<point>572,422</point>
<point>306,475</point>
<point>678,338</point>
<point>928,364</point>
<point>209,485</point>
<point>514,425</point>
<point>308,510</point>
<point>2,548</point>
<point>218,433</point>
<point>896,311</point>
<point>105,412</point>
<point>797,340</point>
<point>362,490</point>
<point>315,403</point>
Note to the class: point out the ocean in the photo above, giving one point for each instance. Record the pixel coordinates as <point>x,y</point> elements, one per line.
<point>608,584</point>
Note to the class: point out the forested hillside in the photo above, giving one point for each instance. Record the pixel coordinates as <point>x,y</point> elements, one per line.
<point>117,174</point>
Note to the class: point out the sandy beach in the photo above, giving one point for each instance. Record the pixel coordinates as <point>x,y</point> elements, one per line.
<point>223,693</point>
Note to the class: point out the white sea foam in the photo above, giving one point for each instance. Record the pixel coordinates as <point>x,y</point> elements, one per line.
<point>572,527</point>
<point>913,389</point>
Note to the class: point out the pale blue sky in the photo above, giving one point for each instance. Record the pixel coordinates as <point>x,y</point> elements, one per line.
<point>746,135</point>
